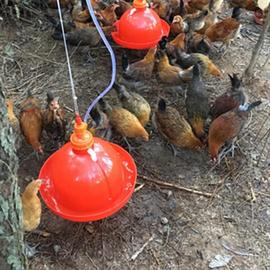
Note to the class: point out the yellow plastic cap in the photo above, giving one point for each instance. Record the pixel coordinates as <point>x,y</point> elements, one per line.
<point>81,139</point>
<point>139,4</point>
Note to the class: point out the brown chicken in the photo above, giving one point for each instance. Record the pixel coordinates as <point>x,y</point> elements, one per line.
<point>123,7</point>
<point>13,120</point>
<point>214,5</point>
<point>231,99</point>
<point>178,26</point>
<point>134,103</point>
<point>183,8</point>
<point>108,16</point>
<point>174,127</point>
<point>80,37</point>
<point>170,74</point>
<point>31,122</point>
<point>53,17</point>
<point>178,43</point>
<point>162,8</point>
<point>196,21</point>
<point>96,4</point>
<point>210,19</point>
<point>185,61</point>
<point>124,122</point>
<point>226,127</point>
<point>225,30</point>
<point>198,4</point>
<point>250,5</point>
<point>81,25</point>
<point>197,104</point>
<point>31,206</point>
<point>11,115</point>
<point>54,121</point>
<point>198,43</point>
<point>177,8</point>
<point>208,67</point>
<point>79,13</point>
<point>140,70</point>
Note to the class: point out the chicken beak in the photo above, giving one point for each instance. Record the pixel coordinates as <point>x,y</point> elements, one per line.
<point>175,20</point>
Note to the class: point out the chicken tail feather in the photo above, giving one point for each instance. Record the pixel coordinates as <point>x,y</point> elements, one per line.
<point>124,61</point>
<point>162,105</point>
<point>249,106</point>
<point>57,35</point>
<point>235,81</point>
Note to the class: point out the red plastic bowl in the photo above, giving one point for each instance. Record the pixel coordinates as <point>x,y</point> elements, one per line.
<point>89,186</point>
<point>140,29</point>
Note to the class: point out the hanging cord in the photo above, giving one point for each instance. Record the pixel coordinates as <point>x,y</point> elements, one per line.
<point>74,97</point>
<point>113,61</point>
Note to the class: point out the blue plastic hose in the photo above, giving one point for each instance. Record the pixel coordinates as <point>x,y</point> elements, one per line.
<point>113,60</point>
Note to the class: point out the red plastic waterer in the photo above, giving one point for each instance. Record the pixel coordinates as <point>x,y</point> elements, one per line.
<point>88,178</point>
<point>140,27</point>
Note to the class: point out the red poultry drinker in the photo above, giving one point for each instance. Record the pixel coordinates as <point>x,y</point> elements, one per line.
<point>140,27</point>
<point>88,178</point>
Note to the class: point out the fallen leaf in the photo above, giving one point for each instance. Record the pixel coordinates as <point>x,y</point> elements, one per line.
<point>220,261</point>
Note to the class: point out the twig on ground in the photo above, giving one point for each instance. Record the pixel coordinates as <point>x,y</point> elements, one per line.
<point>27,54</point>
<point>91,260</point>
<point>263,194</point>
<point>139,187</point>
<point>52,49</point>
<point>253,196</point>
<point>155,256</point>
<point>41,233</point>
<point>68,109</point>
<point>167,237</point>
<point>169,185</point>
<point>264,146</point>
<point>29,80</point>
<point>236,252</point>
<point>137,253</point>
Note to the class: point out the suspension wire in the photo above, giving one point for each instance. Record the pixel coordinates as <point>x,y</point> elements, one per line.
<point>113,61</point>
<point>74,97</point>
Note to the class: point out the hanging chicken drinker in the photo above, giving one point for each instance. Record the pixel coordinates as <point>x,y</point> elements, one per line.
<point>88,178</point>
<point>140,27</point>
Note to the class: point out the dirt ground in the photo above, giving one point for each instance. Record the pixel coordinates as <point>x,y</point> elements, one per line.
<point>186,230</point>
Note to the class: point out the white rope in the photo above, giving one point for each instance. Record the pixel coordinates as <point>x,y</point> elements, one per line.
<point>74,97</point>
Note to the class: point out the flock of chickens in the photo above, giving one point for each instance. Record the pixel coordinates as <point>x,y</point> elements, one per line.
<point>182,58</point>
